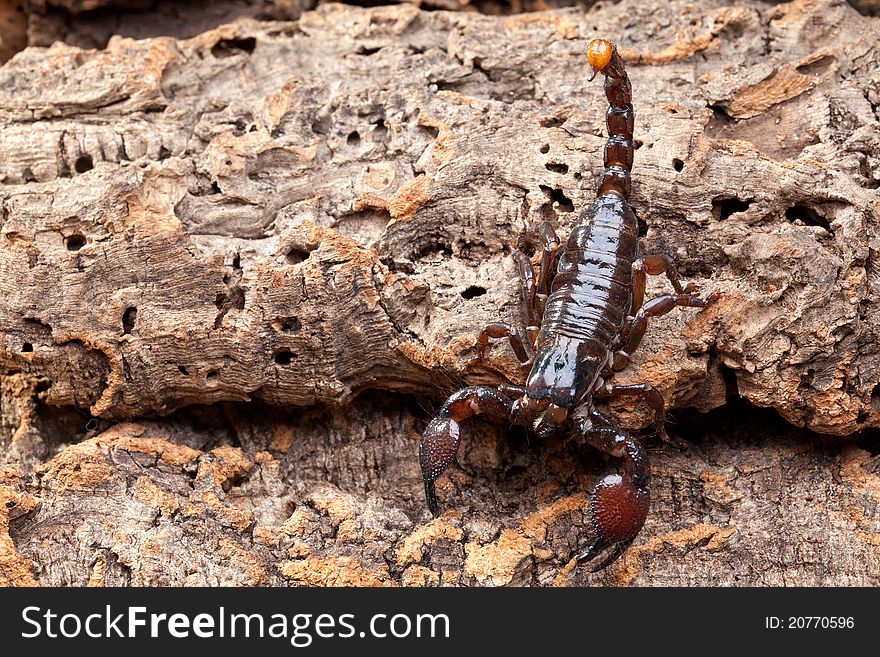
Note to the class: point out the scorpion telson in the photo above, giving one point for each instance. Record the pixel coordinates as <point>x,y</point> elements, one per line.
<point>583,321</point>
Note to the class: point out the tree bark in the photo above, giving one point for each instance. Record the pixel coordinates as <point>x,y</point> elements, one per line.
<point>239,272</point>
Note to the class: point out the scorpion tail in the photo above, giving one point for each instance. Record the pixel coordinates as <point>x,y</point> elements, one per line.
<point>603,57</point>
<point>439,444</point>
<point>619,504</point>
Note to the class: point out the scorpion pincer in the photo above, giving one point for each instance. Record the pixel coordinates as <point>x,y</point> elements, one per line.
<point>583,322</point>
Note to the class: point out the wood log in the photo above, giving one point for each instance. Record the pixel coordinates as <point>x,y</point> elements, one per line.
<point>240,271</point>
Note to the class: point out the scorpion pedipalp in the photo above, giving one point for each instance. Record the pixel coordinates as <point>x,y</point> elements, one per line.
<point>619,502</point>
<point>440,440</point>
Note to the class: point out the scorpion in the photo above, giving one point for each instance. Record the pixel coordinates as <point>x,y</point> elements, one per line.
<point>584,320</point>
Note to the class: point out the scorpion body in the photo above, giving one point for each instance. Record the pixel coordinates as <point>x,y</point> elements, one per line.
<point>584,320</point>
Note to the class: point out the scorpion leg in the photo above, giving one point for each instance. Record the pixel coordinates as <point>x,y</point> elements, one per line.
<point>639,280</point>
<point>529,290</point>
<point>619,503</point>
<point>659,264</point>
<point>542,239</point>
<point>499,330</point>
<point>635,331</point>
<point>440,441</point>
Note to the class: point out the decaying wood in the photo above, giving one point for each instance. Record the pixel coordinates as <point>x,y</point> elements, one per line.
<point>91,23</point>
<point>229,263</point>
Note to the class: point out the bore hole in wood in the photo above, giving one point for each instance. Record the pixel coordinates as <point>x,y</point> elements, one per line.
<point>380,132</point>
<point>722,207</point>
<point>558,196</point>
<point>75,242</point>
<point>677,164</point>
<point>128,319</point>
<point>83,163</point>
<point>643,225</point>
<point>284,357</point>
<point>473,291</point>
<point>720,115</point>
<point>817,67</point>
<point>807,215</point>
<point>27,347</point>
<point>230,47</point>
<point>297,255</point>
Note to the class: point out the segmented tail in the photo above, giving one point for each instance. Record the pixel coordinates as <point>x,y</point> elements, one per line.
<point>603,58</point>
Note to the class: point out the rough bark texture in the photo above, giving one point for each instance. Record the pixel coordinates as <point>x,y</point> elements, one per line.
<point>234,270</point>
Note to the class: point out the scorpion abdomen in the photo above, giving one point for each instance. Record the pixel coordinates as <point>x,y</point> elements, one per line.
<point>591,295</point>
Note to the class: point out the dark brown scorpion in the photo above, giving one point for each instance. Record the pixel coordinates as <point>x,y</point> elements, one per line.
<point>585,329</point>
